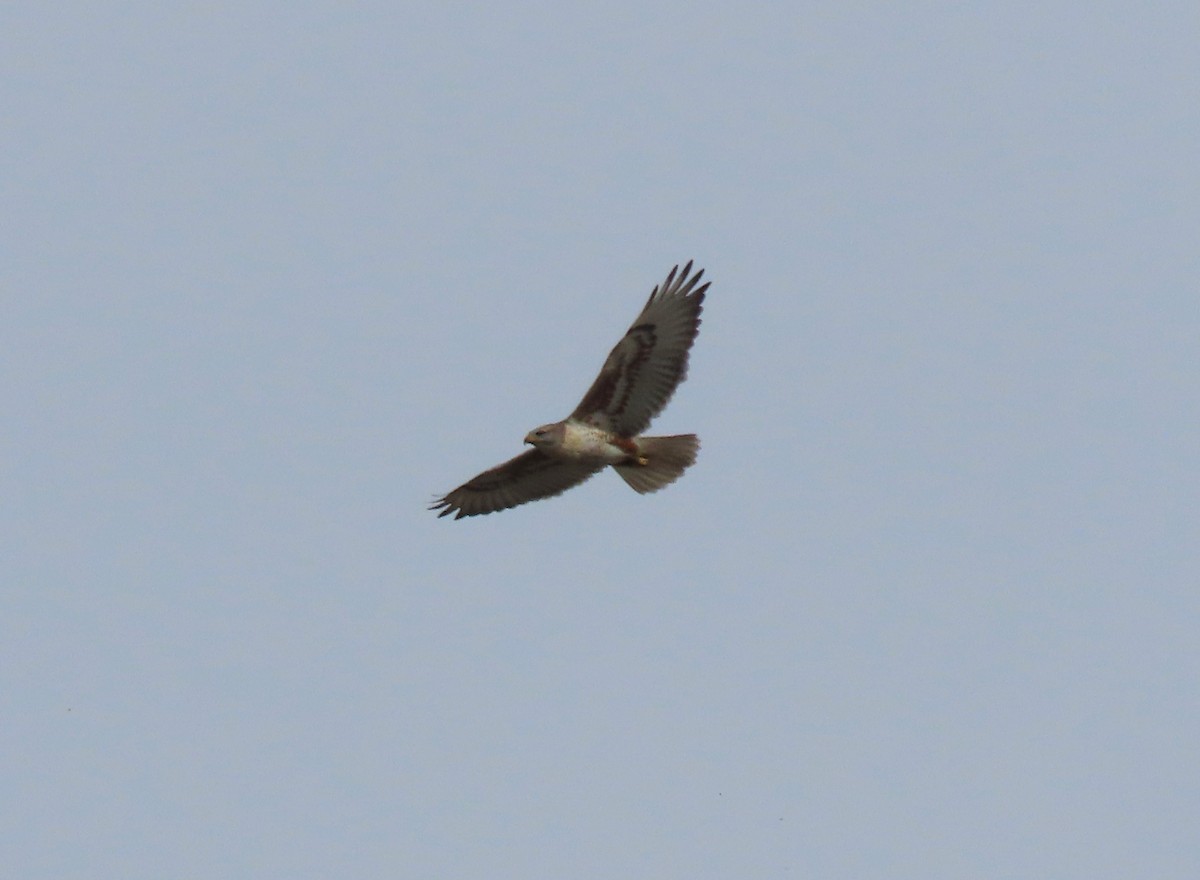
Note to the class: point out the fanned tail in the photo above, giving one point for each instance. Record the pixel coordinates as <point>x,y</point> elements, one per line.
<point>666,458</point>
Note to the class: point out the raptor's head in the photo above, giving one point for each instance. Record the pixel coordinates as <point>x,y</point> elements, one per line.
<point>545,436</point>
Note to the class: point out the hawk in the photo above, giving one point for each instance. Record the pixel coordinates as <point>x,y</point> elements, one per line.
<point>634,385</point>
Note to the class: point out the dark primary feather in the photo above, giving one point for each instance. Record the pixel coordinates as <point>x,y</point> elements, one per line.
<point>646,366</point>
<point>528,477</point>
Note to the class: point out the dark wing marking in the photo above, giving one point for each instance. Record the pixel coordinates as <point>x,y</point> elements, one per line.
<point>528,477</point>
<point>650,361</point>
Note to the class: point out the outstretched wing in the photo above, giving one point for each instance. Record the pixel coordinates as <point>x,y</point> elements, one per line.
<point>642,372</point>
<point>528,477</point>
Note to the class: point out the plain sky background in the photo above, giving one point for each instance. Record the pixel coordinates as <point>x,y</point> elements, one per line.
<point>276,275</point>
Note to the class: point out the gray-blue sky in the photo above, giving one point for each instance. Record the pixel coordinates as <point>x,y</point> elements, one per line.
<point>275,275</point>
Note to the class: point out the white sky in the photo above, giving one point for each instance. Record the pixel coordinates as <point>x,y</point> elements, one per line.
<point>275,275</point>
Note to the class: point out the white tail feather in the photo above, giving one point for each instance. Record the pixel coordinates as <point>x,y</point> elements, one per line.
<point>666,458</point>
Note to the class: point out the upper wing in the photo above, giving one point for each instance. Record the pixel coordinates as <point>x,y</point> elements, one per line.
<point>528,477</point>
<point>642,372</point>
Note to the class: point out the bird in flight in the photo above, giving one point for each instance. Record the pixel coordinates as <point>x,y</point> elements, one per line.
<point>634,385</point>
